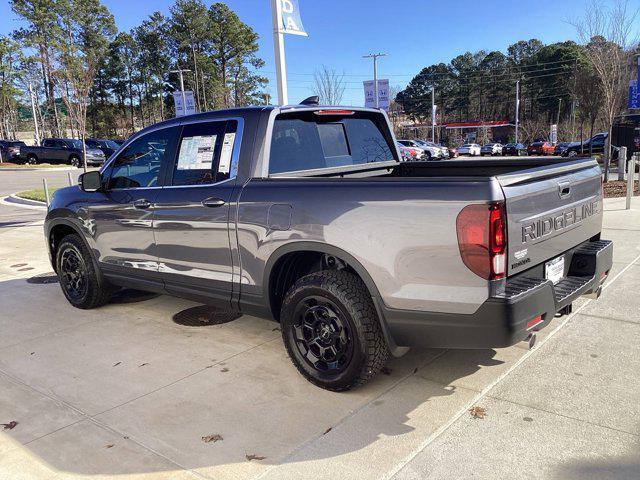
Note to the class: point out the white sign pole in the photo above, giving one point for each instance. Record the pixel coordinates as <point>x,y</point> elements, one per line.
<point>278,45</point>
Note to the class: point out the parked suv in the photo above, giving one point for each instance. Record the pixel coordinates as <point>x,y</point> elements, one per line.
<point>491,149</point>
<point>108,147</point>
<point>61,150</point>
<point>10,150</point>
<point>306,215</point>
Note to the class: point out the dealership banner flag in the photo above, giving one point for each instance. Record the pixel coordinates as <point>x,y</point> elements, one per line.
<point>291,20</point>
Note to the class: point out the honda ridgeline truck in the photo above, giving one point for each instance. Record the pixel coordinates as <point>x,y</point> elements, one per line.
<point>305,215</point>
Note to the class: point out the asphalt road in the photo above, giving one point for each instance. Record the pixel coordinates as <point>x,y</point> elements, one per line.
<point>17,181</point>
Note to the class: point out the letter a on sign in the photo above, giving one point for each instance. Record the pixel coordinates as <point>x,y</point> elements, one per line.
<point>291,21</point>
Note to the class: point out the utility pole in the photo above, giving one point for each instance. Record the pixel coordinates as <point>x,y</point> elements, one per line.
<point>375,72</point>
<point>278,46</point>
<point>433,114</point>
<point>517,108</point>
<point>35,117</point>
<point>180,71</point>
<point>559,109</point>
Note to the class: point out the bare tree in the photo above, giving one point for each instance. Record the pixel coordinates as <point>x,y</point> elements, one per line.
<point>608,36</point>
<point>329,86</point>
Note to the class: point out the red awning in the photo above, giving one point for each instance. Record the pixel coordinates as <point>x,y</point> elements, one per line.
<point>480,124</point>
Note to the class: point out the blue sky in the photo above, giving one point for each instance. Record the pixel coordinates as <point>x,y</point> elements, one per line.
<point>414,33</point>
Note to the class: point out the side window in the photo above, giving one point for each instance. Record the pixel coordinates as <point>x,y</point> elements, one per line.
<point>202,160</point>
<point>139,164</point>
<point>47,143</point>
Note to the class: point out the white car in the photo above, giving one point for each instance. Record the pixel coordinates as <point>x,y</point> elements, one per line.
<point>436,151</point>
<point>472,149</point>
<point>421,153</point>
<point>491,149</point>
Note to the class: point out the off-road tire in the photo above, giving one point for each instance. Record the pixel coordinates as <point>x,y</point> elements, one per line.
<point>351,296</point>
<point>98,290</point>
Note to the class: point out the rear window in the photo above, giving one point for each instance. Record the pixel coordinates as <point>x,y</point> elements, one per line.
<point>306,141</point>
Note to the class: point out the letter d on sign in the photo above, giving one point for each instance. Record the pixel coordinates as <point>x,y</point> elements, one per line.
<point>287,6</point>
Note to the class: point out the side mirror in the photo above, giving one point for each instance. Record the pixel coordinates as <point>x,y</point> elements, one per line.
<point>90,181</point>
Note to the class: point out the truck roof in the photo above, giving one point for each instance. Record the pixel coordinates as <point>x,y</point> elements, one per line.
<point>243,111</point>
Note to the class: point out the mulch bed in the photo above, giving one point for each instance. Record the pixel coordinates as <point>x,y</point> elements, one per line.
<point>618,188</point>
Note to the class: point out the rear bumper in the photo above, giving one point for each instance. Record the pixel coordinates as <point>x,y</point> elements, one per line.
<point>501,321</point>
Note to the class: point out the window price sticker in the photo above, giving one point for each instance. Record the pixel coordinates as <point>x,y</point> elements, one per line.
<point>227,151</point>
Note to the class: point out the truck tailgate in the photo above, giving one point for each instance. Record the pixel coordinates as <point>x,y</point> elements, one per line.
<point>550,209</point>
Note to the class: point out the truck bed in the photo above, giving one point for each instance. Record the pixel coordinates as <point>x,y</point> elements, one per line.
<point>488,167</point>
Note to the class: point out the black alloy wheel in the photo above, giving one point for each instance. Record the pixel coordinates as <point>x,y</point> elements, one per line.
<point>81,282</point>
<point>322,334</point>
<point>73,273</point>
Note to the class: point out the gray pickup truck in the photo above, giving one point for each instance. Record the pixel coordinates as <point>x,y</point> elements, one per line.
<point>305,215</point>
<point>61,150</point>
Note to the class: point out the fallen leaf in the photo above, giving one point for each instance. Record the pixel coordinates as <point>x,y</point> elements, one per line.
<point>109,446</point>
<point>143,365</point>
<point>225,369</point>
<point>478,412</point>
<point>32,353</point>
<point>9,426</point>
<point>327,430</point>
<point>216,437</point>
<point>415,370</point>
<point>386,370</point>
<point>116,364</point>
<point>254,457</point>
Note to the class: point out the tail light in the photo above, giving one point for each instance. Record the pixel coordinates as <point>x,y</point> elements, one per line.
<point>334,112</point>
<point>482,239</point>
<point>412,152</point>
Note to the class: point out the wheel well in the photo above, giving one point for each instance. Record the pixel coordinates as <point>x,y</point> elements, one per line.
<point>56,235</point>
<point>294,265</point>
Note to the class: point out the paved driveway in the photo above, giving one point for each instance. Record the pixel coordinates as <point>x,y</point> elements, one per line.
<point>124,391</point>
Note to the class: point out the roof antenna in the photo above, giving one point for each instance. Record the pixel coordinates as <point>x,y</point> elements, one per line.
<point>313,101</point>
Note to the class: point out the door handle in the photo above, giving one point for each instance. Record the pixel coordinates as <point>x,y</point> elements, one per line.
<point>213,202</point>
<point>564,189</point>
<point>142,203</point>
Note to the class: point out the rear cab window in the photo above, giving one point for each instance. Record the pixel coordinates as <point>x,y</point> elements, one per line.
<point>303,141</point>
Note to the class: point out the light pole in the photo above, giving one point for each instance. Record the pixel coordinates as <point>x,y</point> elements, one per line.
<point>517,108</point>
<point>375,72</point>
<point>278,46</point>
<point>433,114</point>
<point>180,71</point>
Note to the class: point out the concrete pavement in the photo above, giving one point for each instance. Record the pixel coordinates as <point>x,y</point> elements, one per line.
<point>17,181</point>
<point>123,391</point>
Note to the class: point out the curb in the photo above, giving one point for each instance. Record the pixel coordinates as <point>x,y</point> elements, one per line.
<point>16,201</point>
<point>51,169</point>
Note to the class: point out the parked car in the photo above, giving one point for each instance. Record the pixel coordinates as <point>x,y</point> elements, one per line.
<point>108,147</point>
<point>593,146</point>
<point>10,150</point>
<point>472,149</point>
<point>408,154</point>
<point>514,149</point>
<point>491,149</point>
<point>304,231</point>
<point>540,148</point>
<point>425,151</point>
<point>61,150</point>
<point>561,147</point>
<point>436,152</point>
